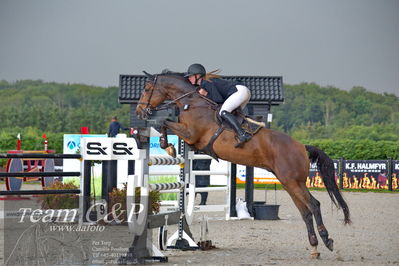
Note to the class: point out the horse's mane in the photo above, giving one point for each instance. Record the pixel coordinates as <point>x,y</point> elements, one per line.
<point>208,76</point>
<point>178,75</point>
<point>170,72</point>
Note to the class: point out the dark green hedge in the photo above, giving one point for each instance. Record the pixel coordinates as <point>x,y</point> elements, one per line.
<point>358,149</point>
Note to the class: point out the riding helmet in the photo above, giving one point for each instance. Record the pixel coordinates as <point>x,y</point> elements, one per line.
<point>195,69</point>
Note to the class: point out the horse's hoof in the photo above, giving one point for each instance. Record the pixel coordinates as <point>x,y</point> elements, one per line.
<point>171,150</point>
<point>315,255</point>
<point>330,244</point>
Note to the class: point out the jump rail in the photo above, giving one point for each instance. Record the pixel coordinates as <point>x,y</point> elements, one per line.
<point>165,160</point>
<point>166,186</point>
<point>38,155</point>
<point>38,174</point>
<point>40,192</point>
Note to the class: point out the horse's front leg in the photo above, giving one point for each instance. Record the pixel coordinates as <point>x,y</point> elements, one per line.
<point>163,139</point>
<point>164,144</point>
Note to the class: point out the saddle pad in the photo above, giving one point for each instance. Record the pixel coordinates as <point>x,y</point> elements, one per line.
<point>251,127</point>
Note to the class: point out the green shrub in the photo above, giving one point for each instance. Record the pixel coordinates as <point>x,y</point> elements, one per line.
<point>60,201</point>
<point>118,196</point>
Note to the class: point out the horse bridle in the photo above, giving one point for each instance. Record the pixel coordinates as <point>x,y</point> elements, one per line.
<point>148,108</point>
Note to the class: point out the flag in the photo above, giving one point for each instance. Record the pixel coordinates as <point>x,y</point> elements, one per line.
<point>19,142</point>
<point>44,136</point>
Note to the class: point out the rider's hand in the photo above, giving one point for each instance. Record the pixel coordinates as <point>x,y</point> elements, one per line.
<point>203,92</point>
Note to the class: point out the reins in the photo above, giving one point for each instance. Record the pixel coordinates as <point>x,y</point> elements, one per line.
<point>165,105</point>
<point>149,108</point>
<point>209,100</point>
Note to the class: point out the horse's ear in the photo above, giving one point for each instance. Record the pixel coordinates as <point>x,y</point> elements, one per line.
<point>151,77</point>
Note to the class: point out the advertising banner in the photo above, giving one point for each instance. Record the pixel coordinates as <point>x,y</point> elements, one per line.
<point>155,149</point>
<point>314,179</point>
<point>395,175</point>
<point>72,146</point>
<point>104,149</point>
<point>261,176</point>
<point>362,174</point>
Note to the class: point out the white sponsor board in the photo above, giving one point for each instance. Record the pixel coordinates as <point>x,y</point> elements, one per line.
<point>101,148</point>
<point>104,149</point>
<point>72,146</point>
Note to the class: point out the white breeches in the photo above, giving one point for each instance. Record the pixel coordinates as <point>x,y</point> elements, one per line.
<point>238,99</point>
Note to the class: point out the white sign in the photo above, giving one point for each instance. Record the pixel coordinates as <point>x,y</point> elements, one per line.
<point>72,146</point>
<point>96,149</point>
<point>104,149</point>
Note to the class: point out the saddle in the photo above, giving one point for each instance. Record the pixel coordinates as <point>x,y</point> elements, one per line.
<point>250,124</point>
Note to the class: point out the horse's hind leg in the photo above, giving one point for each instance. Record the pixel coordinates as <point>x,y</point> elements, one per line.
<point>315,206</point>
<point>300,202</point>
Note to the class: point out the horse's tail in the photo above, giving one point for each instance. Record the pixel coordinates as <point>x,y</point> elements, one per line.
<point>326,168</point>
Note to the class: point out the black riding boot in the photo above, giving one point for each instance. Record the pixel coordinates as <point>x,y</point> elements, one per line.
<point>232,120</point>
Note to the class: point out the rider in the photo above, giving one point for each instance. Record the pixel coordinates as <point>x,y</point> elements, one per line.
<point>231,94</point>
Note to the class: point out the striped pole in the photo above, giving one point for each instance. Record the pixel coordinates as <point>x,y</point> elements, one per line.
<point>165,160</point>
<point>166,186</point>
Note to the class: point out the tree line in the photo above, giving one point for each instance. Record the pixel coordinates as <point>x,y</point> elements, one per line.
<point>311,111</point>
<point>58,107</point>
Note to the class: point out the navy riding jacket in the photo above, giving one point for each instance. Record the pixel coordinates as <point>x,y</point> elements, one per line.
<point>219,89</point>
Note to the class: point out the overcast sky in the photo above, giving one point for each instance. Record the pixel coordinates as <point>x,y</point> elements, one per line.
<point>343,43</point>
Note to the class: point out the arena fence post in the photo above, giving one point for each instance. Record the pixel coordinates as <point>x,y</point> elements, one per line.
<point>86,190</point>
<point>249,189</point>
<point>341,172</point>
<point>233,190</point>
<point>130,165</point>
<point>389,173</point>
<point>109,178</point>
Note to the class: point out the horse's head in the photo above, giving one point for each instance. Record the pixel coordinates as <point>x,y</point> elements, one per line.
<point>158,88</point>
<point>152,96</point>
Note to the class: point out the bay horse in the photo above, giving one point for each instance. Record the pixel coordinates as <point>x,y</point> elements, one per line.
<point>274,151</point>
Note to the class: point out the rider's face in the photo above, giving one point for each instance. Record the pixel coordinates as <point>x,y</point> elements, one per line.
<point>194,78</point>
